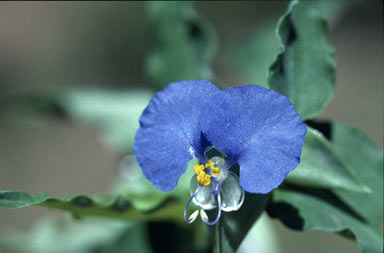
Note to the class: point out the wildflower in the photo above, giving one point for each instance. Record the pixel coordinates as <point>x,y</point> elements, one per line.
<point>256,128</point>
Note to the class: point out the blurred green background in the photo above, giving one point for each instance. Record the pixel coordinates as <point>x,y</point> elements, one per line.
<point>57,44</point>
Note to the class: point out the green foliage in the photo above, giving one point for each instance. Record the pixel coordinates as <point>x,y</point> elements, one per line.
<point>318,214</point>
<point>132,199</point>
<point>304,70</point>
<point>320,166</point>
<point>17,199</point>
<point>182,44</point>
<point>367,166</point>
<point>341,210</point>
<point>80,206</point>
<point>254,52</point>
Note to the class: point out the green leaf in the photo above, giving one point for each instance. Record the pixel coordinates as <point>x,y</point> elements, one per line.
<point>17,199</point>
<point>304,71</point>
<point>353,214</point>
<point>234,226</point>
<point>81,206</point>
<point>133,198</point>
<point>366,162</point>
<point>252,54</point>
<point>321,167</point>
<point>182,44</point>
<point>315,212</point>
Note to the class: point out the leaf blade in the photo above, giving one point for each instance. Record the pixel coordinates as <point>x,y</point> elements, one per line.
<point>80,206</point>
<point>321,167</point>
<point>367,166</point>
<point>320,215</point>
<point>304,70</point>
<point>18,199</point>
<point>357,212</point>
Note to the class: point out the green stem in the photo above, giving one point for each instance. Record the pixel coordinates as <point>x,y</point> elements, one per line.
<point>217,246</point>
<point>222,244</point>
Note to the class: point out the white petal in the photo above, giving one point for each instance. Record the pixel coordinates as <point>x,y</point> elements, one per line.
<point>232,196</point>
<point>204,198</point>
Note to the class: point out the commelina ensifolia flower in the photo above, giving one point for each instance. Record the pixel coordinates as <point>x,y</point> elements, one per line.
<point>256,128</point>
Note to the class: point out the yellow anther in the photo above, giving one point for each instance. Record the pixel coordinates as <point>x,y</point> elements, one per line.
<point>203,179</point>
<point>215,170</point>
<point>210,164</point>
<point>198,168</point>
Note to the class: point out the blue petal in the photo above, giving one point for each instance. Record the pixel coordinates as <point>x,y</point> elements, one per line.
<point>257,128</point>
<point>169,135</point>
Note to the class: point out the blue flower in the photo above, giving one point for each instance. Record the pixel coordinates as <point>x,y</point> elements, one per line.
<point>255,127</point>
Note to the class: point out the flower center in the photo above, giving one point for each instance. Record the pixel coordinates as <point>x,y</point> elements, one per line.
<point>214,169</point>
<point>214,187</point>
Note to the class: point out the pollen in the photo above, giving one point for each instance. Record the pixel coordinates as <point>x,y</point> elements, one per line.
<point>215,170</point>
<point>199,168</point>
<point>210,164</point>
<point>202,177</point>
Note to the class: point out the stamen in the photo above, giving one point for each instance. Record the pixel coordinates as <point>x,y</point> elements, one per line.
<point>204,215</point>
<point>216,171</point>
<point>210,164</point>
<point>203,179</point>
<point>198,168</point>
<point>191,217</point>
<point>216,164</point>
